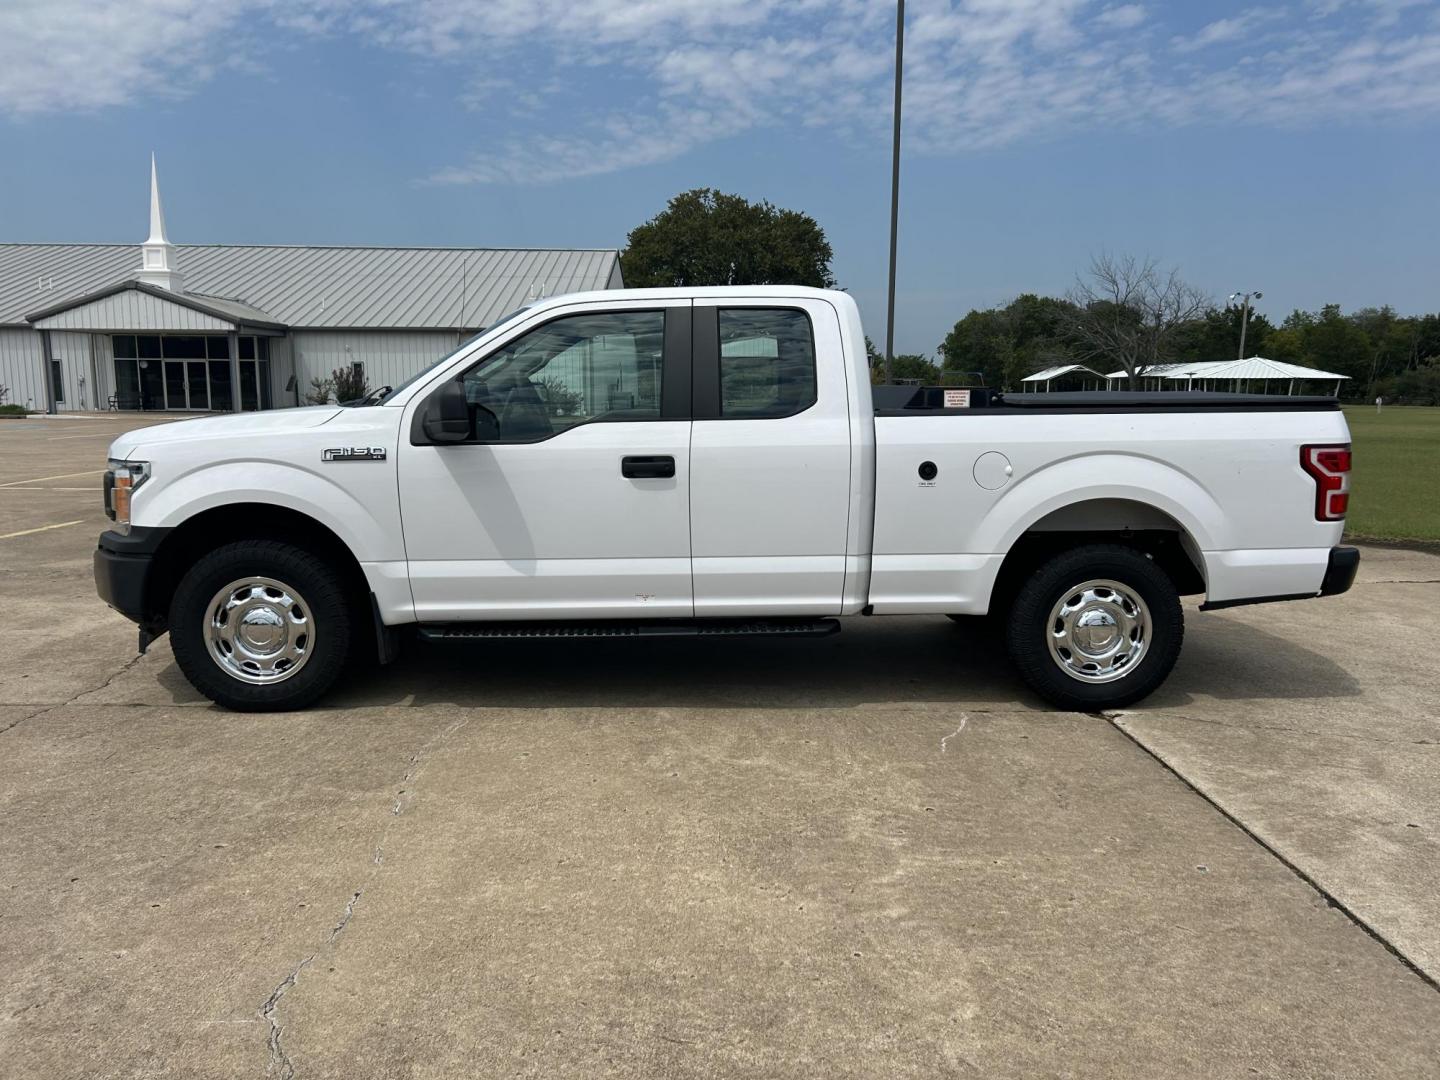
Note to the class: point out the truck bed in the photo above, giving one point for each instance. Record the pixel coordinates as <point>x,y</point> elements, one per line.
<point>923,401</point>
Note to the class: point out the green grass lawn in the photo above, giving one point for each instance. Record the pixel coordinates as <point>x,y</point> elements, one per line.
<point>1395,488</point>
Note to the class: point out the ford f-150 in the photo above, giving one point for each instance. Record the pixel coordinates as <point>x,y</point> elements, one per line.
<point>712,461</point>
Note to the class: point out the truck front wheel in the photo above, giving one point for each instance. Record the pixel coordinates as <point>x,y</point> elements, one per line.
<point>260,626</point>
<point>1098,627</point>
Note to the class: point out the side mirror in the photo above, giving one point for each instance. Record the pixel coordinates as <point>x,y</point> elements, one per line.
<point>447,414</point>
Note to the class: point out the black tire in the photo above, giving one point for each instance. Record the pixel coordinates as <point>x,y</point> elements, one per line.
<point>324,594</point>
<point>1028,624</point>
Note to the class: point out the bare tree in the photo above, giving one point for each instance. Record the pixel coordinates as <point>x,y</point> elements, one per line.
<point>1126,311</point>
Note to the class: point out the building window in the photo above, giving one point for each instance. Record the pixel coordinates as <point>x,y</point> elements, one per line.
<point>57,381</point>
<point>217,350</point>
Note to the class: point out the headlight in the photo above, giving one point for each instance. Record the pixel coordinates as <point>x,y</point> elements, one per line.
<point>121,480</point>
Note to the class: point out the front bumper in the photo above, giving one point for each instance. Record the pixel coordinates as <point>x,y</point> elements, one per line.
<point>124,571</point>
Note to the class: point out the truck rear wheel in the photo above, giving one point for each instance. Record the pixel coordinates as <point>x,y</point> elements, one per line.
<point>260,626</point>
<point>1098,627</point>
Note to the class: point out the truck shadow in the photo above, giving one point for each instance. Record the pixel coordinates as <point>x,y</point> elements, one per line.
<point>919,661</point>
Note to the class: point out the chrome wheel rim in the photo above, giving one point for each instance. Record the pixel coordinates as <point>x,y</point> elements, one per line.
<point>259,630</point>
<point>1099,631</point>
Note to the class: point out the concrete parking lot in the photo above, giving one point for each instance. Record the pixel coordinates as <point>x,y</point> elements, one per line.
<point>868,855</point>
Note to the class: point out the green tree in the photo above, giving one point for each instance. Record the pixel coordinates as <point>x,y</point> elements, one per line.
<point>979,342</point>
<point>905,367</point>
<point>1397,343</point>
<point>1427,341</point>
<point>1335,343</point>
<point>706,237</point>
<point>1007,343</point>
<point>1215,335</point>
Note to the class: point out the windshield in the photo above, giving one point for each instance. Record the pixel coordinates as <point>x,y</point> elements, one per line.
<point>426,371</point>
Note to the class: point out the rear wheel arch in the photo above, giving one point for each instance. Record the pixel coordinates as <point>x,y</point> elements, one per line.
<point>1126,522</point>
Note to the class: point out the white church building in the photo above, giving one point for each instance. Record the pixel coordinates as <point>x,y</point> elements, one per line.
<point>222,327</point>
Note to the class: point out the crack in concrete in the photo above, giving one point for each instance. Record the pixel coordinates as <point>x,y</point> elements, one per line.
<point>28,716</point>
<point>339,928</point>
<point>78,695</point>
<point>281,1064</point>
<point>1115,717</point>
<point>964,719</point>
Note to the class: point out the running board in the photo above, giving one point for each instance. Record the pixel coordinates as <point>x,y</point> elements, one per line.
<point>622,628</point>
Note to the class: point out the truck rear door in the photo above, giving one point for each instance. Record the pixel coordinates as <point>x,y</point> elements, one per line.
<point>769,457</point>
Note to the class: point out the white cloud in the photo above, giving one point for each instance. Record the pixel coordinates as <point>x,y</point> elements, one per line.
<point>1234,28</point>
<point>678,73</point>
<point>62,55</point>
<point>1121,16</point>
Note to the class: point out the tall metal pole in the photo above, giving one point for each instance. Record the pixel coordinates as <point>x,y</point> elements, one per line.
<point>895,184</point>
<point>1245,309</point>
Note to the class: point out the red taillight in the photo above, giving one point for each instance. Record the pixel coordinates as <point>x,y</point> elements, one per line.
<point>1330,468</point>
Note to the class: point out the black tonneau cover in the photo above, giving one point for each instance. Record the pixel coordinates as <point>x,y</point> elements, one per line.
<point>916,401</point>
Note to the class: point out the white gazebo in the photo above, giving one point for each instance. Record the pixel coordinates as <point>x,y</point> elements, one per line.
<point>1257,375</point>
<point>1066,374</point>
<point>1147,378</point>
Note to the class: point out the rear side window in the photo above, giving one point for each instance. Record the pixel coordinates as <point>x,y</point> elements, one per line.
<point>767,363</point>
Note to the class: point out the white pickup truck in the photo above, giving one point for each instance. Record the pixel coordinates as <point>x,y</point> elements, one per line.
<point>712,461</point>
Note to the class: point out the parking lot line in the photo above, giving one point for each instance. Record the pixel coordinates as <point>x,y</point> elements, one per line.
<point>57,476</point>
<point>42,528</point>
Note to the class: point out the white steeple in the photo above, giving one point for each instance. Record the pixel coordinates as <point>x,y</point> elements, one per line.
<point>157,265</point>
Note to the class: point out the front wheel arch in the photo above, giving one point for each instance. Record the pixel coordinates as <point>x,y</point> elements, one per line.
<point>201,534</point>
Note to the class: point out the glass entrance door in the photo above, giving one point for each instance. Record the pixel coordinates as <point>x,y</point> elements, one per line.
<point>187,385</point>
<point>191,373</point>
<point>175,385</point>
<point>197,386</point>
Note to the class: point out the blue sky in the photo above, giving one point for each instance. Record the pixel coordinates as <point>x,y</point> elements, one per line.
<point>1293,148</point>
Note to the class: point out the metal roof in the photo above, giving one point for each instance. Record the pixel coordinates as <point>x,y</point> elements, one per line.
<point>91,311</point>
<point>1257,367</point>
<point>334,287</point>
<point>1055,372</point>
<point>1152,371</point>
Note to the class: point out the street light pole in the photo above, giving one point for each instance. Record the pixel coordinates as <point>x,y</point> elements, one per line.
<point>1245,309</point>
<point>895,185</point>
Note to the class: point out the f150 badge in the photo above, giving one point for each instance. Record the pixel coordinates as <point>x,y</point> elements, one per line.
<point>354,453</point>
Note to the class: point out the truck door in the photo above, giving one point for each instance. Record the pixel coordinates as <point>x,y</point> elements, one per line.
<point>769,458</point>
<point>571,499</point>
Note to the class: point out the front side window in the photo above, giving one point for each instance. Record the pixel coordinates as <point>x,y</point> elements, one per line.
<point>767,362</point>
<point>575,370</point>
